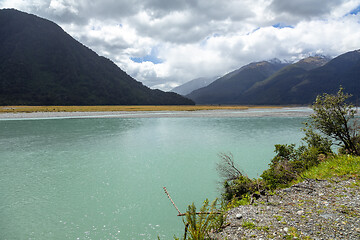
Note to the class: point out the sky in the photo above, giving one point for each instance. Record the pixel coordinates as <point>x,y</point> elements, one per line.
<point>165,43</point>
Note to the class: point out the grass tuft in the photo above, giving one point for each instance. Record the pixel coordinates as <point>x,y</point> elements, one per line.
<point>343,166</point>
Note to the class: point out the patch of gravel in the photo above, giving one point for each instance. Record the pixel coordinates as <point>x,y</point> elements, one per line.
<point>313,209</point>
<point>252,112</point>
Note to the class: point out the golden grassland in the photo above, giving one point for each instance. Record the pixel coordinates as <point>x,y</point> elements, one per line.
<point>15,109</point>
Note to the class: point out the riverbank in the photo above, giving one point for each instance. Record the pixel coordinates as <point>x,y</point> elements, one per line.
<point>220,112</point>
<point>325,204</point>
<point>313,209</point>
<point>17,109</point>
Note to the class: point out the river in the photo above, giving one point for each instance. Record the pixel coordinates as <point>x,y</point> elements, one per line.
<point>102,176</point>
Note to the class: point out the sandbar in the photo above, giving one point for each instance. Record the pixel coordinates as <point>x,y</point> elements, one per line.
<point>251,112</point>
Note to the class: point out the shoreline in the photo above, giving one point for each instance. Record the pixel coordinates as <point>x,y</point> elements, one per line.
<point>313,209</point>
<point>248,112</point>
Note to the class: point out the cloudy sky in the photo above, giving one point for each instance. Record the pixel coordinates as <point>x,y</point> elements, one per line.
<point>164,43</point>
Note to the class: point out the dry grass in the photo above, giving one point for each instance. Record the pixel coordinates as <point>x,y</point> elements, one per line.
<point>6,109</point>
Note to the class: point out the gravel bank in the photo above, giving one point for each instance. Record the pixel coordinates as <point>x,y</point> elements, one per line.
<point>255,112</point>
<point>313,209</point>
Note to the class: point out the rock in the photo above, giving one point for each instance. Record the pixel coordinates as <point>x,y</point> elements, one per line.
<point>300,212</point>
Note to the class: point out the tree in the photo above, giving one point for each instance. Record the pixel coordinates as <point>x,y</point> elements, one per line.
<point>335,118</point>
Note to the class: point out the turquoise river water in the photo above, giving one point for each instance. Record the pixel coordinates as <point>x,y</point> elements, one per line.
<point>103,178</point>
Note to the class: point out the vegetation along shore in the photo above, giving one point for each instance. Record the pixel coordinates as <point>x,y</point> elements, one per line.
<point>308,192</point>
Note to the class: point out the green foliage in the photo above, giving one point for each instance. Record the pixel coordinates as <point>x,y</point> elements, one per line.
<point>248,225</point>
<point>236,202</point>
<point>290,162</point>
<point>333,117</point>
<point>287,165</point>
<point>281,171</point>
<point>199,225</point>
<point>336,166</point>
<point>315,140</point>
<point>239,187</point>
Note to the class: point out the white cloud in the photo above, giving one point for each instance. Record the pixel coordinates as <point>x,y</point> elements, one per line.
<point>59,7</point>
<point>204,37</point>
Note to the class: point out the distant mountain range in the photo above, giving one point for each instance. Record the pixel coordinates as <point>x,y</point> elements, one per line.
<point>40,64</point>
<point>192,85</point>
<point>273,83</point>
<point>230,88</point>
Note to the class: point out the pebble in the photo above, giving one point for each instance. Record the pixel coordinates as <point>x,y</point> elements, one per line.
<point>300,212</point>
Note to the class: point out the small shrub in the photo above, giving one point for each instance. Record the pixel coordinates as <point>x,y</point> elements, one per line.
<point>281,171</point>
<point>290,162</point>
<point>308,158</point>
<point>239,187</point>
<point>199,225</point>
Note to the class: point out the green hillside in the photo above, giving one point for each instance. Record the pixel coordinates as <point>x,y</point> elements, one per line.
<point>40,64</point>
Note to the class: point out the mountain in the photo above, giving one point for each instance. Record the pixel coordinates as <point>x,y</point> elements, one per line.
<point>300,85</point>
<point>273,83</point>
<point>40,64</point>
<point>192,85</point>
<point>275,89</point>
<point>312,62</point>
<point>229,88</point>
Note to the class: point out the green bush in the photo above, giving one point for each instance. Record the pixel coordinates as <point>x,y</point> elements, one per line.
<point>290,162</point>
<point>239,187</point>
<point>315,140</point>
<point>281,169</point>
